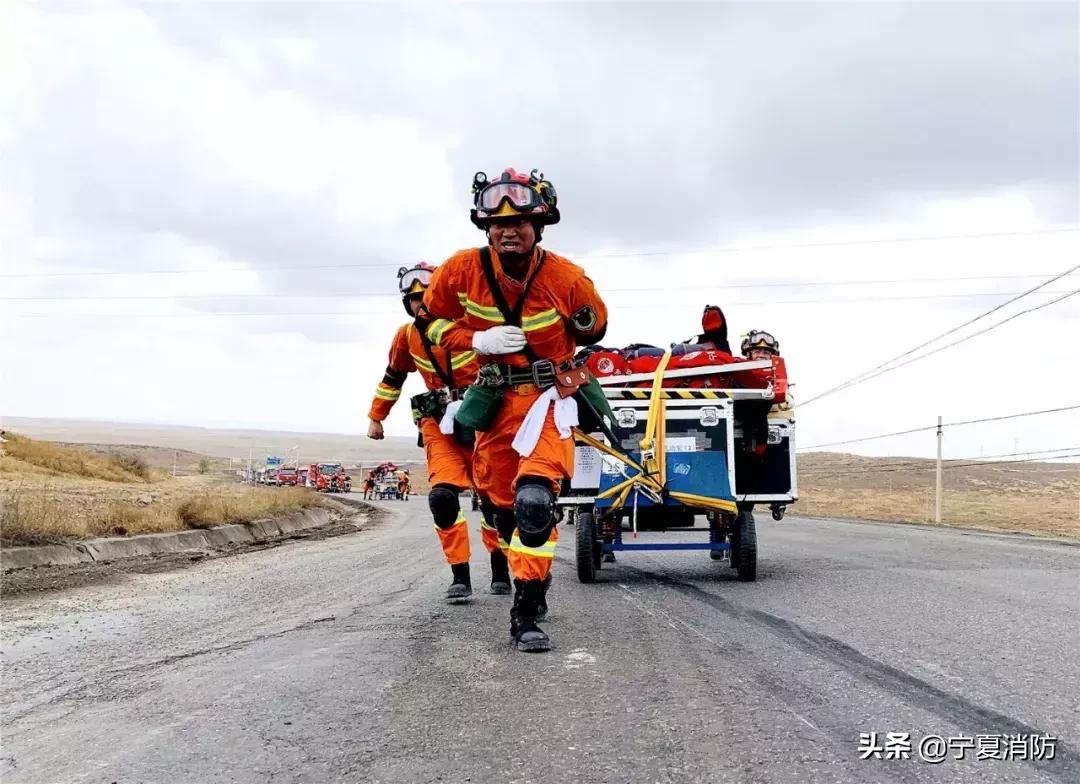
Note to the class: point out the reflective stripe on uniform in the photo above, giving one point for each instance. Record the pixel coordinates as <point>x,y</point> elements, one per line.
<point>460,521</point>
<point>540,320</point>
<point>462,359</point>
<point>546,550</point>
<point>423,364</point>
<point>384,392</point>
<point>457,362</point>
<point>486,312</point>
<point>437,328</point>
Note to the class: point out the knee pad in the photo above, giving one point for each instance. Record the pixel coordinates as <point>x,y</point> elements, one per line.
<point>534,512</point>
<point>444,504</point>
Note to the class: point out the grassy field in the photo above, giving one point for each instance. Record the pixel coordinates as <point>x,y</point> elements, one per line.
<point>50,492</point>
<point>354,449</point>
<point>1037,498</point>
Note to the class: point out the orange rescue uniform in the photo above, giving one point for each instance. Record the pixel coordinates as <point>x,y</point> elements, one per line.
<point>448,462</point>
<point>562,310</point>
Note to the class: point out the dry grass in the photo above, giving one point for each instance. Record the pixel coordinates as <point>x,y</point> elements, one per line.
<point>252,504</point>
<point>26,453</point>
<point>1036,498</point>
<point>55,495</point>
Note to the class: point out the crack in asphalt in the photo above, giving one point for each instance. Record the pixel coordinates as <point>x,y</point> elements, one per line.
<point>81,692</point>
<point>1065,767</point>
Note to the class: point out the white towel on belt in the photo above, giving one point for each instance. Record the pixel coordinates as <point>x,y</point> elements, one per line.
<point>446,424</point>
<point>566,417</point>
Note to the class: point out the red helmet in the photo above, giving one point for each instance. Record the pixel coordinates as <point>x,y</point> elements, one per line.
<point>513,195</point>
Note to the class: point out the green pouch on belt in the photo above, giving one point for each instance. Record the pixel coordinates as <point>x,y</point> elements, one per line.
<point>479,407</point>
<point>593,403</point>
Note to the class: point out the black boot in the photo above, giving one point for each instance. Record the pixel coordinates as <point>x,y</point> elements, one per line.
<point>527,635</point>
<point>460,590</point>
<point>516,607</point>
<point>500,574</point>
<point>542,608</point>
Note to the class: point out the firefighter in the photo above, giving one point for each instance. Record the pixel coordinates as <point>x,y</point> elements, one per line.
<point>524,310</point>
<point>369,486</point>
<point>449,456</point>
<point>758,344</point>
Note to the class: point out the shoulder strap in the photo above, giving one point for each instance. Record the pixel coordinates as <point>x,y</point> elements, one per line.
<point>447,375</point>
<point>511,316</point>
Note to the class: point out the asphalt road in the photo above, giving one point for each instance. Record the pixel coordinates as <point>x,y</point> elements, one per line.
<point>336,660</point>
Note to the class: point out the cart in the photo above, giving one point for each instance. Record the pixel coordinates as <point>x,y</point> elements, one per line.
<point>674,454</point>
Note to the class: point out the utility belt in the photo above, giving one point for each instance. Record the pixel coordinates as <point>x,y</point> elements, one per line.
<point>485,397</point>
<point>542,374</point>
<point>434,403</point>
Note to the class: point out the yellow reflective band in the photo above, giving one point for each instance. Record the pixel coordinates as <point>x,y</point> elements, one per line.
<point>503,544</point>
<point>463,359</point>
<point>482,311</point>
<point>437,328</point>
<point>546,550</point>
<point>484,526</point>
<point>387,393</point>
<point>460,521</point>
<point>541,320</point>
<point>423,364</point>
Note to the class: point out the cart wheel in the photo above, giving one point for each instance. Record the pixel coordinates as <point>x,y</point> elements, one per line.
<point>744,547</point>
<point>588,547</point>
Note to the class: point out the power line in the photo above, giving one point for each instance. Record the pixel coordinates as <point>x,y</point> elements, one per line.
<point>839,243</point>
<point>929,462</point>
<point>966,338</point>
<point>928,465</point>
<point>945,424</point>
<point>287,295</point>
<point>599,255</point>
<point>661,306</point>
<point>866,375</point>
<point>1011,462</point>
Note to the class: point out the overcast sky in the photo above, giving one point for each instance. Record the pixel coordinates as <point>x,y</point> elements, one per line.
<point>287,158</point>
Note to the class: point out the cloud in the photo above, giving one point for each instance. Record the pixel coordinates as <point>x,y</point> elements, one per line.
<point>265,148</point>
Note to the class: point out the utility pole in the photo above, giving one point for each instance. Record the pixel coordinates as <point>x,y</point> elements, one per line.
<point>937,502</point>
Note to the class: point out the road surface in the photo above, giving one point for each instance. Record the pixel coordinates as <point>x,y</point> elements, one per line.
<point>336,660</point>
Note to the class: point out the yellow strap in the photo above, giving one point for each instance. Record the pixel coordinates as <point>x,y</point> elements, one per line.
<point>621,500</point>
<point>709,503</point>
<point>588,440</point>
<point>655,421</point>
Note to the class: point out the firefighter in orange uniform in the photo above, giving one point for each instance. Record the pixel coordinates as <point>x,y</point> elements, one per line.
<point>524,310</point>
<point>449,454</point>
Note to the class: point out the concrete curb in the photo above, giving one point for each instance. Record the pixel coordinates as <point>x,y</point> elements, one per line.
<point>205,540</point>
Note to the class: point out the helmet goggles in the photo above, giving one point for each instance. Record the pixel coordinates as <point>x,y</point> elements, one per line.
<point>514,195</point>
<point>759,339</point>
<point>414,280</point>
<point>520,197</point>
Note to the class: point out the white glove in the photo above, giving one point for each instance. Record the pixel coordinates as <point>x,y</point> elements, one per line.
<point>499,340</point>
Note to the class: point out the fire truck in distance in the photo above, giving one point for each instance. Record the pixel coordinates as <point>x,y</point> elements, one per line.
<point>287,477</point>
<point>328,478</point>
